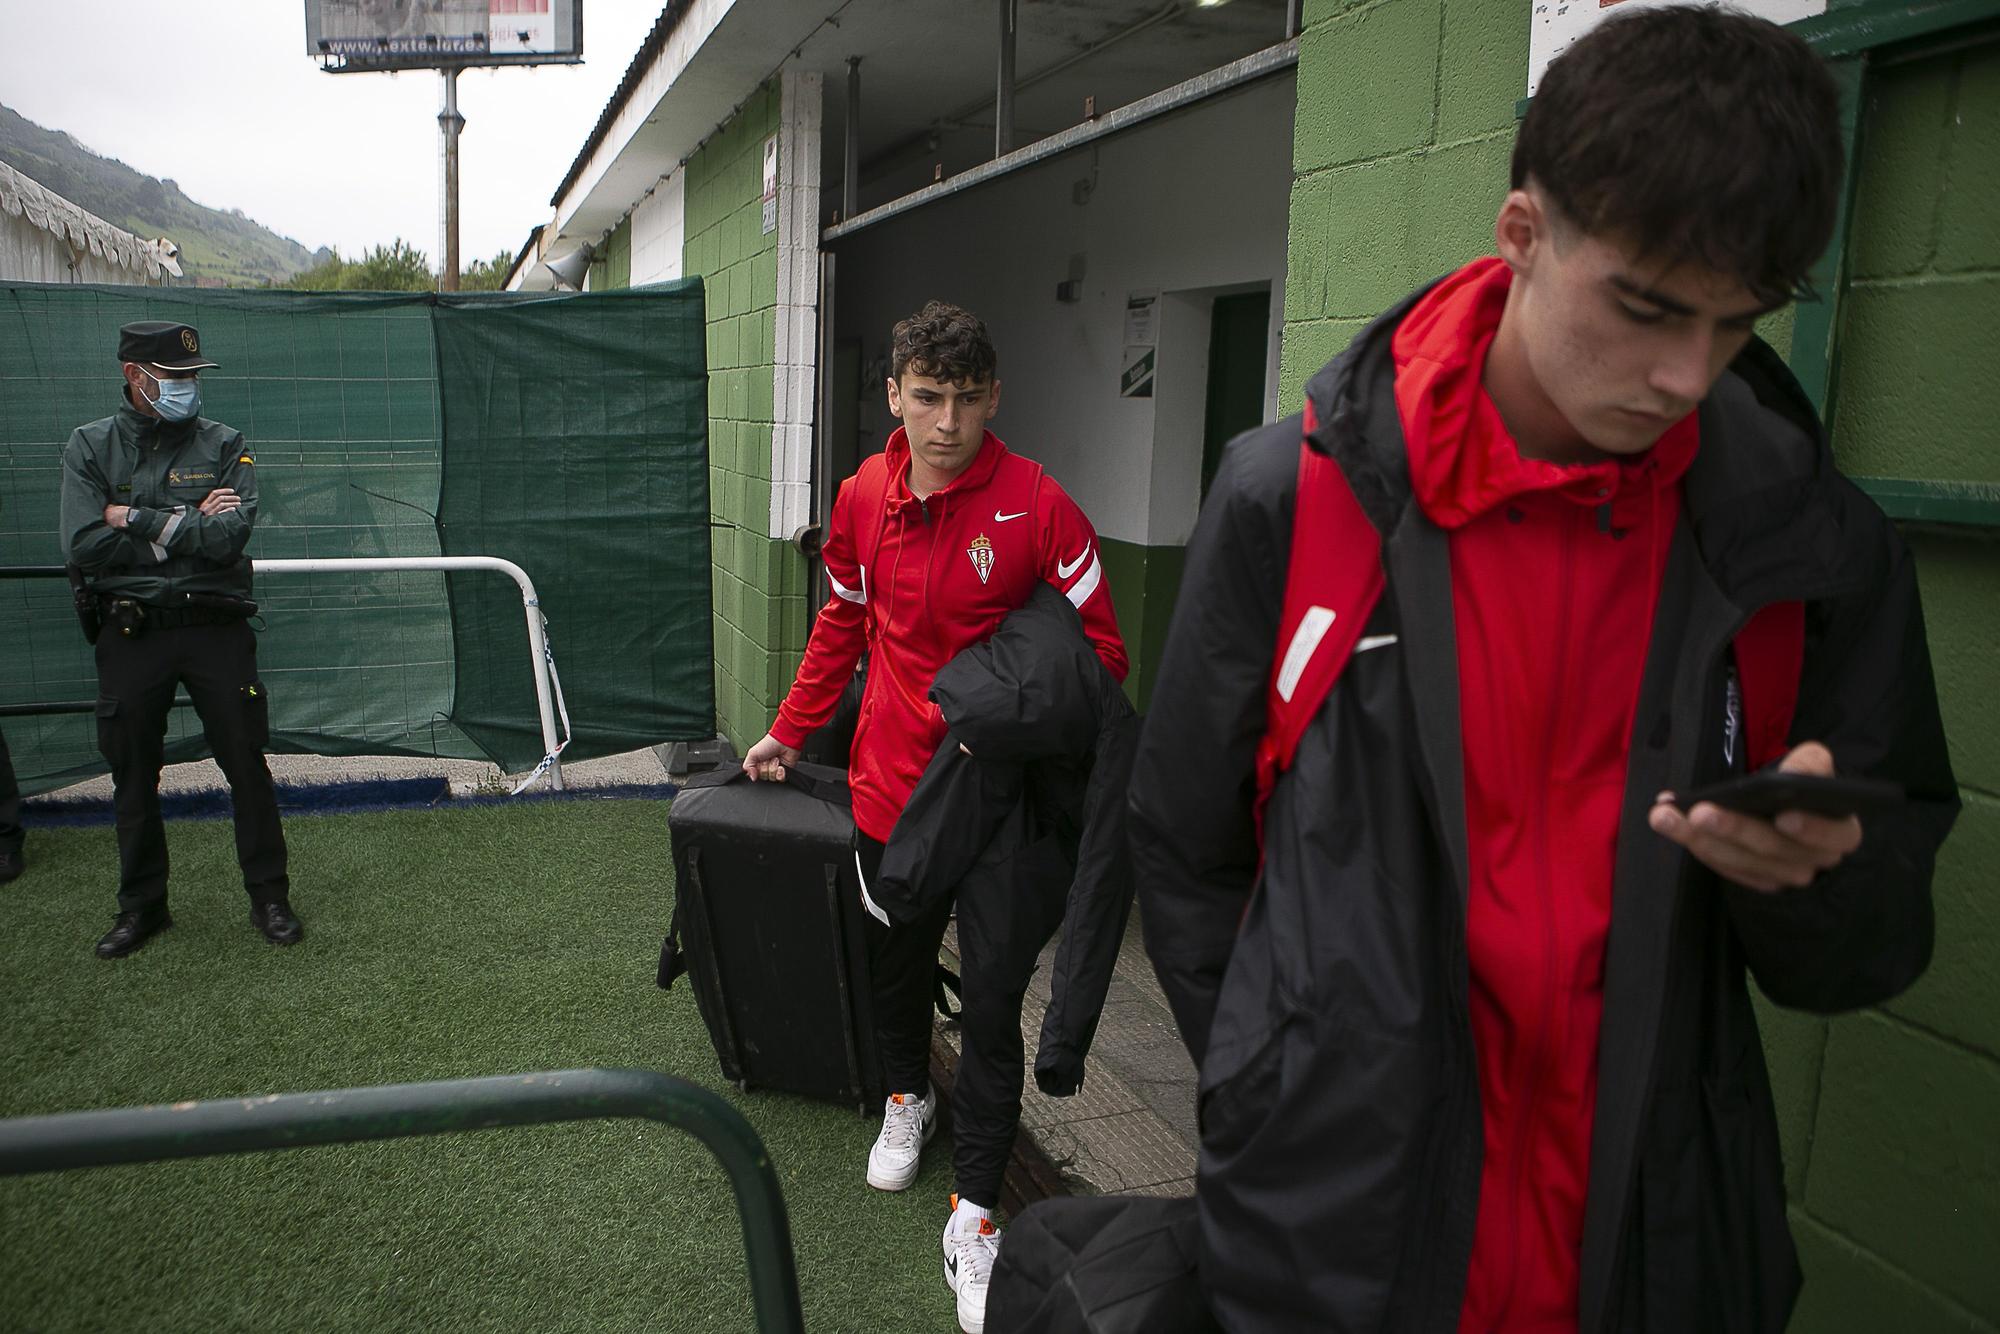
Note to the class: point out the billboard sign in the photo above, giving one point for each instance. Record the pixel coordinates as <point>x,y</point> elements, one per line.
<point>1557,23</point>
<point>351,36</point>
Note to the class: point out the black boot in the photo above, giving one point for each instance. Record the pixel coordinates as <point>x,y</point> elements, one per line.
<point>133,929</point>
<point>278,923</point>
<point>12,863</point>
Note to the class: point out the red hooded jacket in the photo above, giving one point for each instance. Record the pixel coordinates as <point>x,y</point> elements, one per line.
<point>1555,571</point>
<point>914,582</point>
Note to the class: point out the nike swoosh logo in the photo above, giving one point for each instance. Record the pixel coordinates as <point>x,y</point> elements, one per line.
<point>998,517</point>
<point>1374,641</point>
<point>1065,570</point>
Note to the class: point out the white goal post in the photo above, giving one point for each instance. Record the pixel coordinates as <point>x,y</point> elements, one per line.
<point>548,687</point>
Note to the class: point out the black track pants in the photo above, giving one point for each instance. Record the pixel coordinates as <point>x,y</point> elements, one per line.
<point>136,679</point>
<point>1002,926</point>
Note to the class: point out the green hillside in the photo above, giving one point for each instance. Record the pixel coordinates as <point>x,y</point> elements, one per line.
<point>214,244</point>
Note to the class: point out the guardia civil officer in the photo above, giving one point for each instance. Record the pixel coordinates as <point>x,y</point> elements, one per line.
<point>157,506</point>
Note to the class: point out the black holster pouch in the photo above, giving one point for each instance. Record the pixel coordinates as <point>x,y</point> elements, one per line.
<point>126,616</point>
<point>85,601</point>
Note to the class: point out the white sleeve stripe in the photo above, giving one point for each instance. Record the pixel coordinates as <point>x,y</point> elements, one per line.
<point>1305,642</point>
<point>167,533</point>
<point>159,552</point>
<point>1081,590</point>
<point>844,591</point>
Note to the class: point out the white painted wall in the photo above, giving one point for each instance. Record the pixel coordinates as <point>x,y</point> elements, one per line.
<point>1187,206</point>
<point>659,226</point>
<point>671,61</point>
<point>797,318</point>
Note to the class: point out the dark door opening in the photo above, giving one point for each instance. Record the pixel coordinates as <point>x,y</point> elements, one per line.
<point>1238,345</point>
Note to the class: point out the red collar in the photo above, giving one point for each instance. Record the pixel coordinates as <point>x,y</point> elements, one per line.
<point>984,464</point>
<point>1462,460</point>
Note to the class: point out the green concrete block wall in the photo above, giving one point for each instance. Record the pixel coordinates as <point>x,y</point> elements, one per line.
<point>613,266</point>
<point>760,602</point>
<point>1895,1171</point>
<point>1405,123</point>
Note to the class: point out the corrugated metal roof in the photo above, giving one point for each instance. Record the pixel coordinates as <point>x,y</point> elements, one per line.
<point>23,197</point>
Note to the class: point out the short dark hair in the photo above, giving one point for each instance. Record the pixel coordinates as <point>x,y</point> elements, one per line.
<point>1696,133</point>
<point>944,342</point>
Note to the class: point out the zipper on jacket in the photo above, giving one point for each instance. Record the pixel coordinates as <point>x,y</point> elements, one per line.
<point>1541,1041</point>
<point>930,564</point>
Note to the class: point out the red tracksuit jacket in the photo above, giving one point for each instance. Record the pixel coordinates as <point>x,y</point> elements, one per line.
<point>1555,571</point>
<point>913,582</point>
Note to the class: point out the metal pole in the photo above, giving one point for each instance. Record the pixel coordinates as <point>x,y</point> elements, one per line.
<point>1003,100</point>
<point>850,172</point>
<point>1294,12</point>
<point>450,122</point>
<point>32,1144</point>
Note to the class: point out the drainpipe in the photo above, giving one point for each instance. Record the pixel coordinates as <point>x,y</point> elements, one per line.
<point>1003,98</point>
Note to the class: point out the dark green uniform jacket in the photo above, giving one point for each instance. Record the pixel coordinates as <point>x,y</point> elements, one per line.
<point>163,469</point>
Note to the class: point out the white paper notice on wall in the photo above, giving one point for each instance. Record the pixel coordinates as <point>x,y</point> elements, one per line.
<point>771,185</point>
<point>1557,23</point>
<point>1142,318</point>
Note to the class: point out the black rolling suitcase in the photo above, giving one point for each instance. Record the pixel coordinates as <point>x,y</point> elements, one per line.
<point>767,925</point>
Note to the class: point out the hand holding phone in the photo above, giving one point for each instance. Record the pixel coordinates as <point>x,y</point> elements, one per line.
<point>1777,829</point>
<point>1770,792</point>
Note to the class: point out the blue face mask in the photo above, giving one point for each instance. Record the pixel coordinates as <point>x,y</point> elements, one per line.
<point>176,400</point>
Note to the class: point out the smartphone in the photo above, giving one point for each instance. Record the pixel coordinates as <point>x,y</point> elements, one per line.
<point>1769,791</point>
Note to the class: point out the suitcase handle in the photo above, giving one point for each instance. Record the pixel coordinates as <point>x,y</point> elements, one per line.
<point>814,780</point>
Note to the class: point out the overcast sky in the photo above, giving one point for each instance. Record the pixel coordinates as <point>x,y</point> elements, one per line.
<point>220,96</point>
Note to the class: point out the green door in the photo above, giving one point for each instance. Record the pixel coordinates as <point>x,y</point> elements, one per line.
<point>1238,349</point>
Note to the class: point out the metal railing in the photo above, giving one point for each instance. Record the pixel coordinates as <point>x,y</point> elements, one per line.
<point>548,694</point>
<point>33,1144</point>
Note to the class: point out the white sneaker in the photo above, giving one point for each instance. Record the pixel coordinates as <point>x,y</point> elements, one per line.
<point>971,1245</point>
<point>908,1122</point>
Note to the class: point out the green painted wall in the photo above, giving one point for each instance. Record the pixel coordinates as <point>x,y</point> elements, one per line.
<point>1405,123</point>
<point>613,266</point>
<point>1143,582</point>
<point>760,619</point>
<point>1892,1161</point>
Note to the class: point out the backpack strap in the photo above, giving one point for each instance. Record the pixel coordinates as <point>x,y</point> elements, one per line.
<point>1770,654</point>
<point>1333,579</point>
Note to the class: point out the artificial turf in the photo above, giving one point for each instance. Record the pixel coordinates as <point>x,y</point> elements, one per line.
<point>440,944</point>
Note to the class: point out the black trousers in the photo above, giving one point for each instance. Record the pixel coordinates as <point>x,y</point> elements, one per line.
<point>10,801</point>
<point>136,679</point>
<point>1002,926</point>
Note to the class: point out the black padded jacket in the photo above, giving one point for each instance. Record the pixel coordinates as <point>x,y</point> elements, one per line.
<point>1038,805</point>
<point>1325,998</point>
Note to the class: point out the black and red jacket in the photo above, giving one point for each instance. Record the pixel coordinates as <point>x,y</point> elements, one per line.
<point>912,583</point>
<point>1481,1054</point>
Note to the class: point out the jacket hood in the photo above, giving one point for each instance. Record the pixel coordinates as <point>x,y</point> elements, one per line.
<point>897,455</point>
<point>1463,461</point>
<point>1768,508</point>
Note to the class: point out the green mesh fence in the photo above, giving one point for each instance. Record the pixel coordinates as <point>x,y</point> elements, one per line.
<point>567,434</point>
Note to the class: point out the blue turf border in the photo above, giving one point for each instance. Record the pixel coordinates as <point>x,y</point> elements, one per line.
<point>357,796</point>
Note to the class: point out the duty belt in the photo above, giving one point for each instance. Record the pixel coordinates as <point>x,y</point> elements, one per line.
<point>152,616</point>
